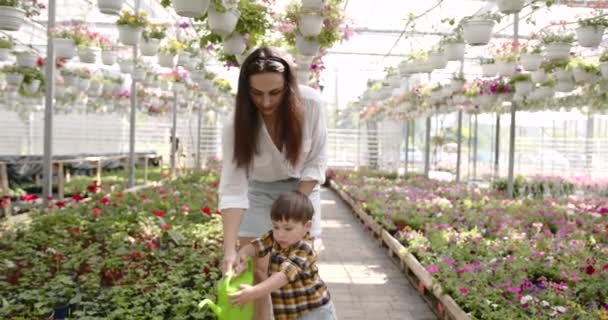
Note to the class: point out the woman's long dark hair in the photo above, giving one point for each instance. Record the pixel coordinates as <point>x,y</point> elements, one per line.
<point>289,123</point>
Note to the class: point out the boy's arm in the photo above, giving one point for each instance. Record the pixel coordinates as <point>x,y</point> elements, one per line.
<point>262,289</point>
<point>244,253</point>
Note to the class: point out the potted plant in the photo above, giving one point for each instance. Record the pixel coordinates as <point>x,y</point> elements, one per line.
<point>557,45</point>
<point>531,57</point>
<point>477,29</point>
<point>152,35</point>
<point>222,16</point>
<point>112,7</point>
<point>84,79</point>
<point>438,58</point>
<point>190,8</point>
<point>506,57</point>
<point>168,52</point>
<point>12,15</point>
<point>87,42</point>
<point>454,46</point>
<point>458,81</point>
<point>27,58</point>
<point>109,52</point>
<point>126,65</point>
<point>13,75</point>
<point>6,44</point>
<point>590,31</point>
<point>130,26</point>
<point>488,67</point>
<point>70,77</point>
<point>523,84</point>
<point>584,71</point>
<point>560,68</point>
<point>64,40</point>
<point>604,64</point>
<point>545,89</point>
<point>510,6</point>
<point>179,77</point>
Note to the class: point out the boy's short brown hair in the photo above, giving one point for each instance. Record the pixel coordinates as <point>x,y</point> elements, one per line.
<point>294,206</point>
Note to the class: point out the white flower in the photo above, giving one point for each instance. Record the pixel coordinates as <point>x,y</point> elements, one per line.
<point>560,309</point>
<point>544,303</point>
<point>525,299</point>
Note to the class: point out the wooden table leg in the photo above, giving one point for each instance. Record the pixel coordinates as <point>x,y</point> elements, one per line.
<point>3,178</point>
<point>60,182</point>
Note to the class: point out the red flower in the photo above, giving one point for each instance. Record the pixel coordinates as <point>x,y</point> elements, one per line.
<point>77,197</point>
<point>136,255</point>
<point>590,270</point>
<point>6,197</point>
<point>120,196</point>
<point>75,230</point>
<point>218,212</point>
<point>60,204</point>
<point>464,291</point>
<point>29,197</point>
<point>185,208</point>
<point>605,267</point>
<point>206,270</point>
<point>4,203</point>
<point>57,256</point>
<point>165,227</point>
<point>104,201</point>
<point>206,210</point>
<point>159,214</point>
<point>151,245</point>
<point>95,211</point>
<point>93,187</point>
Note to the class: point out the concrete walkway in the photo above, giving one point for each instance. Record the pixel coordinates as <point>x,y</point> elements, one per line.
<point>364,282</point>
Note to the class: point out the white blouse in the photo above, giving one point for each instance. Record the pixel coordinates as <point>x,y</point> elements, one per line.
<point>270,164</point>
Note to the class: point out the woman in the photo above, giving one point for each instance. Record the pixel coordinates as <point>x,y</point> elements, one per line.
<point>275,142</point>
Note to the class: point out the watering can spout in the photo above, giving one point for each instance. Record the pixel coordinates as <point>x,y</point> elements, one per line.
<point>217,310</point>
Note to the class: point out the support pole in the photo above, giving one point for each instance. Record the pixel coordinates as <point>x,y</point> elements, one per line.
<point>589,145</point>
<point>497,147</point>
<point>459,146</point>
<point>407,147</point>
<point>198,136</point>
<point>475,144</point>
<point>510,192</point>
<point>131,162</point>
<point>427,147</point>
<point>49,89</point>
<point>173,134</point>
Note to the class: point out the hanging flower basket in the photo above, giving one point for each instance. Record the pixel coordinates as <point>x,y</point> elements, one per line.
<point>128,35</point>
<point>112,7</point>
<point>313,4</point>
<point>126,66</point>
<point>456,85</point>
<point>11,18</point>
<point>489,69</point>
<point>88,54</point>
<point>424,66</point>
<point>60,90</point>
<point>589,36</point>
<point>506,69</point>
<point>394,81</point>
<point>539,76</point>
<point>70,80</point>
<point>557,51</point>
<point>405,68</point>
<point>83,84</point>
<point>510,6</point>
<point>222,23</point>
<point>95,88</point>
<point>524,87</point>
<point>26,59</point>
<point>580,75</point>
<point>139,74</point>
<point>14,78</point>
<point>64,48</point>
<point>109,88</point>
<point>604,69</point>
<point>439,60</point>
<point>564,86</point>
<point>454,51</point>
<point>235,44</point>
<point>307,47</point>
<point>545,92</point>
<point>310,24</point>
<point>166,60</point>
<point>477,32</point>
<point>190,8</point>
<point>183,59</point>
<point>179,87</point>
<point>149,48</point>
<point>4,54</point>
<point>531,61</point>
<point>109,57</point>
<point>562,74</point>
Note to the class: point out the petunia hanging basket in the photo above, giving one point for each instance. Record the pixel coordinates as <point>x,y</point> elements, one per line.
<point>64,48</point>
<point>590,36</point>
<point>149,48</point>
<point>531,61</point>
<point>11,18</point>
<point>222,23</point>
<point>310,24</point>
<point>191,8</point>
<point>477,32</point>
<point>112,7</point>
<point>510,6</point>
<point>128,35</point>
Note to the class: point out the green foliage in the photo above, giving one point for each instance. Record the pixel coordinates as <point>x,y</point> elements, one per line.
<point>596,22</point>
<point>154,32</point>
<point>222,84</point>
<point>550,38</point>
<point>520,77</point>
<point>6,43</point>
<point>128,18</point>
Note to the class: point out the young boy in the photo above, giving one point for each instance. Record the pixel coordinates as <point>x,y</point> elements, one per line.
<point>294,284</point>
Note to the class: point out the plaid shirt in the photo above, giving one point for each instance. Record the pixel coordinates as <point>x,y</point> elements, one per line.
<point>305,290</point>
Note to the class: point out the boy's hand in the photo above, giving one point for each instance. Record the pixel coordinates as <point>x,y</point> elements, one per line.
<point>246,295</point>
<point>241,262</point>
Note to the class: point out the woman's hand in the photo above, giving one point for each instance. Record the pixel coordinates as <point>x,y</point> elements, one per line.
<point>230,262</point>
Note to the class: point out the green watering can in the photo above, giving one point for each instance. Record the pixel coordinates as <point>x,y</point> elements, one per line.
<point>228,285</point>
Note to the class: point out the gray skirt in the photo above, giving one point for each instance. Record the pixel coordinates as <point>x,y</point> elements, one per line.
<point>256,220</point>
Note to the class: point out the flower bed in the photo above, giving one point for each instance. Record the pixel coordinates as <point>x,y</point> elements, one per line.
<point>538,259</point>
<point>151,254</point>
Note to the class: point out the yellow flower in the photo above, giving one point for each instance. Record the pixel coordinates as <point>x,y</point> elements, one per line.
<point>132,20</point>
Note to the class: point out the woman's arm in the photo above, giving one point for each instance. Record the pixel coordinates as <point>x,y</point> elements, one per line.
<point>306,187</point>
<point>313,168</point>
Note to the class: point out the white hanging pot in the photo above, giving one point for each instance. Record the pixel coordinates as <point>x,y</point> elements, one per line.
<point>149,47</point>
<point>439,60</point>
<point>14,78</point>
<point>539,76</point>
<point>11,18</point>
<point>506,69</point>
<point>310,24</point>
<point>166,60</point>
<point>489,69</point>
<point>557,51</point>
<point>32,87</point>
<point>109,57</point>
<point>64,48</point>
<point>109,88</point>
<point>190,8</point>
<point>139,74</point>
<point>70,80</point>
<point>604,69</point>
<point>424,66</point>
<point>531,61</point>
<point>183,59</point>
<point>581,75</point>
<point>128,35</point>
<point>222,23</point>
<point>83,84</point>
<point>307,47</point>
<point>126,66</point>
<point>313,4</point>
<point>562,74</point>
<point>4,54</point>
<point>95,88</point>
<point>88,54</point>
<point>26,59</point>
<point>590,36</point>
<point>456,85</point>
<point>510,6</point>
<point>394,81</point>
<point>405,68</point>
<point>303,75</point>
<point>523,87</point>
<point>110,6</point>
<point>545,92</point>
<point>60,91</point>
<point>235,44</point>
<point>179,87</point>
<point>564,86</point>
<point>454,51</point>
<point>477,32</point>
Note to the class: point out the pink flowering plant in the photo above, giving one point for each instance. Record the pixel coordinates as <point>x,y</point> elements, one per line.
<point>529,259</point>
<point>80,33</point>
